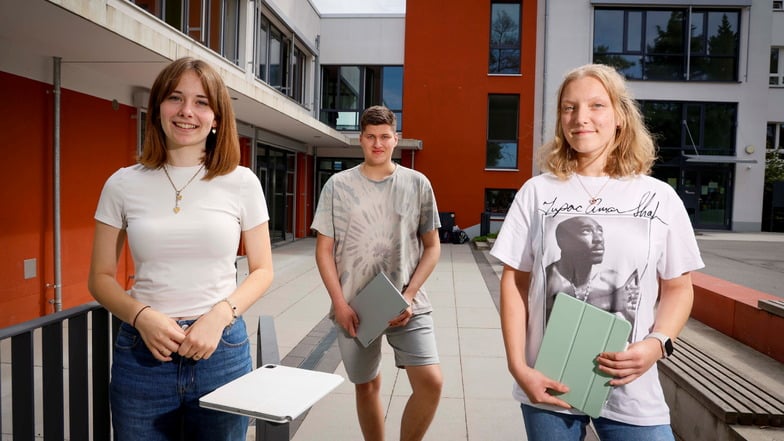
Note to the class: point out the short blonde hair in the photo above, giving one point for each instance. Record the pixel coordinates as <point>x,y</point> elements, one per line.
<point>633,150</point>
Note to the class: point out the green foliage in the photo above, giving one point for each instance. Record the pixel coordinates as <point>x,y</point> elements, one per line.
<point>774,166</point>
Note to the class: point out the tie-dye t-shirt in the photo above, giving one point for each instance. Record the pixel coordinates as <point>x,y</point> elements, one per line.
<point>376,226</point>
<point>610,253</point>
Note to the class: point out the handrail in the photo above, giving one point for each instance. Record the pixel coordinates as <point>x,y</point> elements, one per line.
<point>85,400</point>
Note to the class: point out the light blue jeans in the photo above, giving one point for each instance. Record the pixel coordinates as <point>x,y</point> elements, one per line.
<point>157,401</point>
<point>544,425</point>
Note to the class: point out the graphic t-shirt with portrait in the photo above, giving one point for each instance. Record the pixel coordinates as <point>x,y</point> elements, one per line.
<point>610,254</point>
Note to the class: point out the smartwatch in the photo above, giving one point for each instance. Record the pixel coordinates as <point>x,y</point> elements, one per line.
<point>666,343</point>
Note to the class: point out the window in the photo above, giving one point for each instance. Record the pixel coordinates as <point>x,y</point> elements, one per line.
<point>775,136</point>
<point>778,5</point>
<point>225,40</point>
<point>675,44</point>
<point>691,128</point>
<point>502,123</point>
<point>498,200</point>
<point>776,67</point>
<point>348,90</point>
<point>392,91</point>
<point>280,61</point>
<point>214,24</point>
<point>505,31</point>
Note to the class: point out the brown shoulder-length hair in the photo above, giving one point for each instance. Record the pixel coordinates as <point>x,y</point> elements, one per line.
<point>632,150</point>
<point>222,153</point>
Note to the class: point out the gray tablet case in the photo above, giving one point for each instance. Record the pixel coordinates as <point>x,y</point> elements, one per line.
<point>576,333</point>
<point>376,304</point>
<point>272,392</point>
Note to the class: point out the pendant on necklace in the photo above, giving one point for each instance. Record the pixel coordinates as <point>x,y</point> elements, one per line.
<point>177,199</point>
<point>178,192</point>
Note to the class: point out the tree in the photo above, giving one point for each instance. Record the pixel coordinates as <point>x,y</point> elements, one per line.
<point>774,167</point>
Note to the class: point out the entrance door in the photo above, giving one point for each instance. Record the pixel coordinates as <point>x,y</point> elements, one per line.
<point>706,192</point>
<point>711,186</point>
<point>276,170</point>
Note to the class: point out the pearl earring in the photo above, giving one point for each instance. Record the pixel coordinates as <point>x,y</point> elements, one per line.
<point>214,130</point>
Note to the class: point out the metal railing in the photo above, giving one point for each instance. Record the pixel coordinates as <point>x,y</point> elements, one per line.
<point>83,334</point>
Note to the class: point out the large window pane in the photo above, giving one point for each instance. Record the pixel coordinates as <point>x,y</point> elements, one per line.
<point>196,28</point>
<point>719,138</point>
<point>393,87</point>
<point>349,87</point>
<point>498,200</point>
<point>505,31</point>
<point>502,122</point>
<point>691,128</point>
<point>275,54</point>
<point>348,90</point>
<point>230,31</point>
<point>262,40</point>
<point>775,67</point>
<point>723,33</point>
<point>676,44</point>
<point>770,138</point>
<point>634,36</point>
<point>392,94</point>
<point>608,36</point>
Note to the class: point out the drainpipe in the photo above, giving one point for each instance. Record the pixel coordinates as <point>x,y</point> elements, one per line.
<point>58,294</point>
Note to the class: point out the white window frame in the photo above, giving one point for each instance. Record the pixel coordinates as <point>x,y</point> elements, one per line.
<point>777,78</point>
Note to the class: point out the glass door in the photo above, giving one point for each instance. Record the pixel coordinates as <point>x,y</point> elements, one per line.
<point>276,170</point>
<point>706,192</point>
<point>709,190</point>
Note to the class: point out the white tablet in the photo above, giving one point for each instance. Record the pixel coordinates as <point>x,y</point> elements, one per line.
<point>272,392</point>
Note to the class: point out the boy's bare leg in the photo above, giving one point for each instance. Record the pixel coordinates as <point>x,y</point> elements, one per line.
<point>369,409</point>
<point>426,383</point>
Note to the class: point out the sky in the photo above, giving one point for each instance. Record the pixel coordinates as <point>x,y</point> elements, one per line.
<point>360,6</point>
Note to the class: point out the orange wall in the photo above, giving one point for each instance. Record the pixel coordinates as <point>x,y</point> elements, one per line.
<point>95,141</point>
<point>305,205</point>
<point>733,310</point>
<point>445,91</point>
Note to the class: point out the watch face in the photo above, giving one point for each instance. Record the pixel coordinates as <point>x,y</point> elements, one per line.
<point>668,347</point>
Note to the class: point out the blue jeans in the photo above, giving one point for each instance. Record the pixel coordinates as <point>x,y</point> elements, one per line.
<point>544,425</point>
<point>156,401</point>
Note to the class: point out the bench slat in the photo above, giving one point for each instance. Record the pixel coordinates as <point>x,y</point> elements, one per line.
<point>725,393</point>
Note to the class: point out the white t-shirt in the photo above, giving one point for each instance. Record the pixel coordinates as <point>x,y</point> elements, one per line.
<point>610,254</point>
<point>377,226</point>
<point>184,262</point>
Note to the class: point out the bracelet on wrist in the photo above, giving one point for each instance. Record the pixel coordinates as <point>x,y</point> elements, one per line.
<point>233,309</point>
<point>133,323</point>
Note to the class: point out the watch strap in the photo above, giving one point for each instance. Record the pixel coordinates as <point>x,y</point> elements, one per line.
<point>665,341</point>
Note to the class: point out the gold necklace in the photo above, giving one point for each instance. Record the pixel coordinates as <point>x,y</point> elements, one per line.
<point>178,192</point>
<point>594,198</point>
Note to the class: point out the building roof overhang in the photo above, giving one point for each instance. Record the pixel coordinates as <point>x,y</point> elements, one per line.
<point>716,159</point>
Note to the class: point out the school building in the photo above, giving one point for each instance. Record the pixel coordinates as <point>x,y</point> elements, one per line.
<point>473,84</point>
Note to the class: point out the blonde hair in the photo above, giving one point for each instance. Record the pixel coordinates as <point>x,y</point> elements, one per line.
<point>632,151</point>
<point>222,153</point>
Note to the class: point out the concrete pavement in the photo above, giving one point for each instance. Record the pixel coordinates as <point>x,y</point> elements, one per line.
<point>476,402</point>
<point>754,260</point>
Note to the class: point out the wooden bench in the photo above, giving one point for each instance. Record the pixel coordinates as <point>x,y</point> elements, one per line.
<point>731,395</point>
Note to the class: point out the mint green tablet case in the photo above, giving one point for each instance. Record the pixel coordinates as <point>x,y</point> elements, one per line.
<point>576,334</point>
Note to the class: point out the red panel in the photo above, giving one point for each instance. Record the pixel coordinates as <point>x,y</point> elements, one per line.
<point>95,141</point>
<point>446,86</point>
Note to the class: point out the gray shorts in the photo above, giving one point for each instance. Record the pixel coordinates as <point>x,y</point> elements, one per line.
<point>414,345</point>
